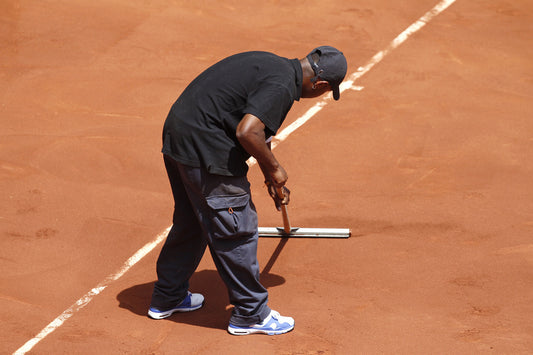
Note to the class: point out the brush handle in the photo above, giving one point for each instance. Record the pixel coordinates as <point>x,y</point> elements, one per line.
<point>284,213</point>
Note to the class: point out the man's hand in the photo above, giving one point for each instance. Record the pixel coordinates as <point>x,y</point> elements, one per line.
<point>274,192</point>
<point>278,177</point>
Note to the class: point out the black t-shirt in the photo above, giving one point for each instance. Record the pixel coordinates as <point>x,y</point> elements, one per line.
<point>201,125</point>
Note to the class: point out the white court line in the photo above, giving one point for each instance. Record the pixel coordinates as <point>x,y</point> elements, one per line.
<point>82,302</point>
<point>348,84</point>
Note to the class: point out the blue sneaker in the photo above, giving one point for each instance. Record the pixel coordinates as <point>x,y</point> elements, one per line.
<point>192,302</point>
<point>272,325</point>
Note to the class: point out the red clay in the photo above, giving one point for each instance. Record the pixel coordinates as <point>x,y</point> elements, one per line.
<point>429,165</point>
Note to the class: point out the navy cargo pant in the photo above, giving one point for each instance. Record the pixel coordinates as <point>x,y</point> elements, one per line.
<point>215,211</point>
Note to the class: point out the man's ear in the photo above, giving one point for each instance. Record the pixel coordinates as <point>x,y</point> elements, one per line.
<point>320,84</point>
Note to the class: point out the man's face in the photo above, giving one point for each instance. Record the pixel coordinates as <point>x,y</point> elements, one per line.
<point>310,90</point>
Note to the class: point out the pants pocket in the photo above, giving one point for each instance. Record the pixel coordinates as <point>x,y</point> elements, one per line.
<point>232,216</point>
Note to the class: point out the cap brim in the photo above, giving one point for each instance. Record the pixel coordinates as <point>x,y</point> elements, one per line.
<point>336,92</point>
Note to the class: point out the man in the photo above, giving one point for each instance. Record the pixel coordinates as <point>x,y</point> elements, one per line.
<point>227,114</point>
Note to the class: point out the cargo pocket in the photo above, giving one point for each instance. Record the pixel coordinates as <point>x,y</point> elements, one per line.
<point>231,216</point>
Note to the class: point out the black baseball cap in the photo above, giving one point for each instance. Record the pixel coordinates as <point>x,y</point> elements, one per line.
<point>331,67</point>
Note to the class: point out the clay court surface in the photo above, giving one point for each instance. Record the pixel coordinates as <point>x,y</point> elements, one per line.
<point>428,159</point>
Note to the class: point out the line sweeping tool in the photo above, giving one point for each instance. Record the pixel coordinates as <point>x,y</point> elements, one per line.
<point>288,232</point>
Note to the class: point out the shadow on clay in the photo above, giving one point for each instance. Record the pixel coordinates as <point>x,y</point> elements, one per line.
<point>216,310</point>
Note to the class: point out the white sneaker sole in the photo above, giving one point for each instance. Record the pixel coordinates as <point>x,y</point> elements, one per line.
<point>248,331</point>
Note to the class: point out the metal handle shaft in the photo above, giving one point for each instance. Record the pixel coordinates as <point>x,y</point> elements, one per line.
<point>284,213</point>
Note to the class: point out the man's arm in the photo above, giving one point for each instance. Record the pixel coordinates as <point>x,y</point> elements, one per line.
<point>251,135</point>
